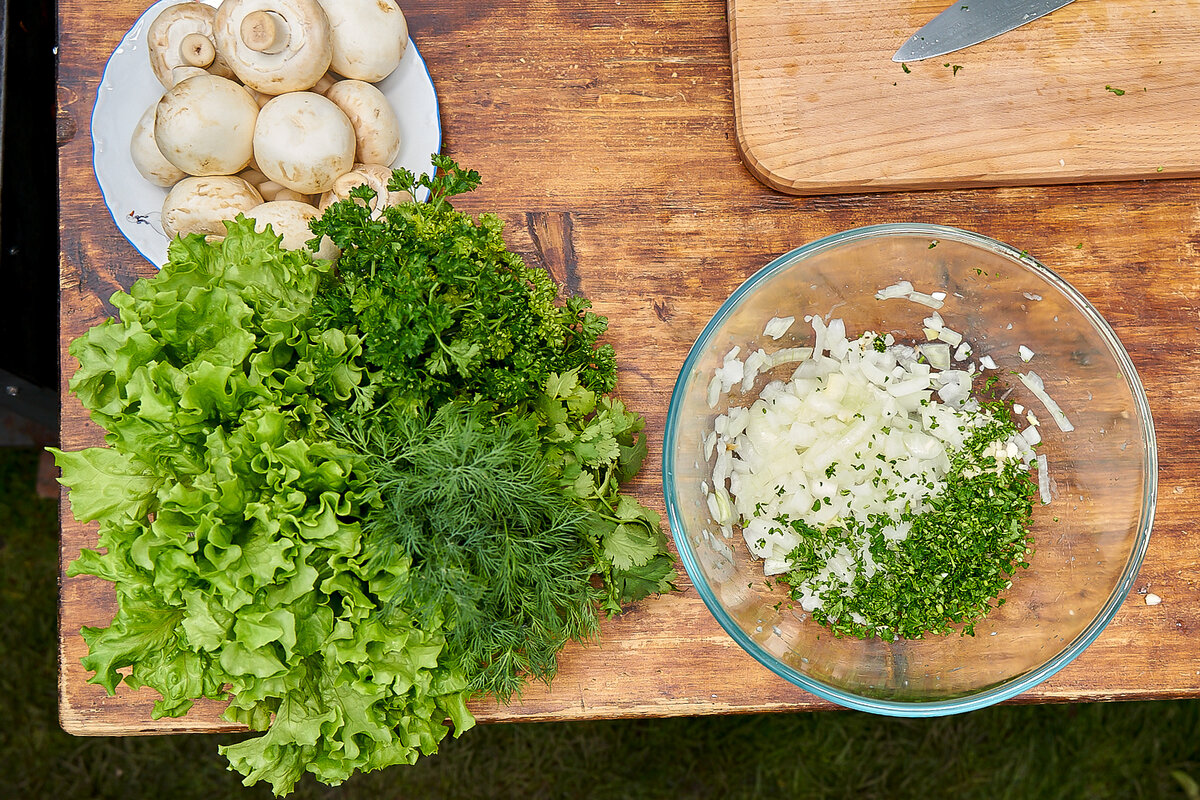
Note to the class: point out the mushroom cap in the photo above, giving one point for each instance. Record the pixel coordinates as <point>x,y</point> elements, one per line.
<point>205,125</point>
<point>170,42</point>
<point>303,141</point>
<point>376,128</point>
<point>298,55</point>
<point>369,37</point>
<point>147,157</point>
<point>375,176</point>
<point>202,204</point>
<point>289,219</point>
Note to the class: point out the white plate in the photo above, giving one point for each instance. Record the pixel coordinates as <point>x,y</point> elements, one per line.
<point>129,87</point>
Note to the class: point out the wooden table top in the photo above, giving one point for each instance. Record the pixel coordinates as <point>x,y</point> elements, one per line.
<point>605,135</point>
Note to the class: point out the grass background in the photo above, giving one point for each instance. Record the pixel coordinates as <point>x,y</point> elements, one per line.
<point>1103,750</point>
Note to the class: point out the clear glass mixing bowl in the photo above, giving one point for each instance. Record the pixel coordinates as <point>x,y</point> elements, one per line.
<point>1088,541</point>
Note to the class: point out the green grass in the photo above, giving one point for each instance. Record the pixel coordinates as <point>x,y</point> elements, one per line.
<point>1104,750</point>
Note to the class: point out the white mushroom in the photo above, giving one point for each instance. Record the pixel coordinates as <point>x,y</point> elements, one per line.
<point>148,158</point>
<point>253,177</point>
<point>270,190</point>
<point>274,46</point>
<point>304,142</point>
<point>290,219</point>
<point>376,176</point>
<point>182,36</point>
<point>369,37</point>
<point>202,204</point>
<point>205,125</point>
<point>327,80</point>
<point>376,129</point>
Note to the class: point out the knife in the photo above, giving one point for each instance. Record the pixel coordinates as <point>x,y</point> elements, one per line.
<point>969,22</point>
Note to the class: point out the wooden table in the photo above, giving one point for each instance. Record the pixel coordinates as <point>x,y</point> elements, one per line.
<point>605,134</point>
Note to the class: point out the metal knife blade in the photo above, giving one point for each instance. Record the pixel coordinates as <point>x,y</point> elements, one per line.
<point>969,22</point>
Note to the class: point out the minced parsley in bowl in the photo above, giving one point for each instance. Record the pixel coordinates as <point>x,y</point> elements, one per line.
<point>910,469</point>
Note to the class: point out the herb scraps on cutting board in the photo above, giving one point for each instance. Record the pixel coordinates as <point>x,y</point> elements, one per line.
<point>888,494</point>
<point>349,497</point>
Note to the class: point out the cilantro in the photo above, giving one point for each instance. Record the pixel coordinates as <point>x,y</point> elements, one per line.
<point>905,68</point>
<point>1114,90</point>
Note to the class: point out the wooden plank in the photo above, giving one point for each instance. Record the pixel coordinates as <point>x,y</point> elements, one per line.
<point>605,135</point>
<point>821,107</point>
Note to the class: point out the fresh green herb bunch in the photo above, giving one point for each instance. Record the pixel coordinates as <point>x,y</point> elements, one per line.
<point>444,308</point>
<point>467,515</point>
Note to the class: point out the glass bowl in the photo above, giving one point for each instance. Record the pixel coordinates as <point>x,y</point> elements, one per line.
<point>1088,540</point>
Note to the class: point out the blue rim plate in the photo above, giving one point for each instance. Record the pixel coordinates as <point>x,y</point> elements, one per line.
<point>128,88</point>
<point>993,694</point>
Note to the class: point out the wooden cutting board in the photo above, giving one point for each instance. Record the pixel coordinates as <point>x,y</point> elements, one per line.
<point>1099,90</point>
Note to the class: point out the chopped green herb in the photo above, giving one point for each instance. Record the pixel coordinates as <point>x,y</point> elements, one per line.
<point>959,555</point>
<point>1114,90</point>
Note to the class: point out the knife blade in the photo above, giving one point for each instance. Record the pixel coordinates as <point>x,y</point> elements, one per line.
<point>969,22</point>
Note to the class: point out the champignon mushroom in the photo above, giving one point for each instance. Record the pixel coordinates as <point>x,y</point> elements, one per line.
<point>289,219</point>
<point>202,204</point>
<point>182,36</point>
<point>147,157</point>
<point>274,46</point>
<point>376,176</point>
<point>270,190</point>
<point>376,129</point>
<point>327,80</point>
<point>369,37</point>
<point>205,125</point>
<point>303,141</point>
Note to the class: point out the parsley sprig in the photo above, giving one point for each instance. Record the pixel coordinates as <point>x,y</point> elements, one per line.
<point>444,308</point>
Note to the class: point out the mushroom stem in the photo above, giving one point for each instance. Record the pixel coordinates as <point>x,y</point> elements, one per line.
<point>265,32</point>
<point>197,50</point>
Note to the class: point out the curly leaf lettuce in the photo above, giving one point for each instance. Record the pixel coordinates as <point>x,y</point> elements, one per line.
<point>226,521</point>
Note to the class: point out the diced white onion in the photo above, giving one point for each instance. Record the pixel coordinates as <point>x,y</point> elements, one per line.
<point>896,291</point>
<point>777,326</point>
<point>1043,470</point>
<point>1034,383</point>
<point>926,299</point>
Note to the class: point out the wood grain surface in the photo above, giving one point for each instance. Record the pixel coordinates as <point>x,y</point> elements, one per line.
<point>1094,91</point>
<point>606,137</point>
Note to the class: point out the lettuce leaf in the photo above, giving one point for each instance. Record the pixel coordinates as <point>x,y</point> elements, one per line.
<point>227,520</point>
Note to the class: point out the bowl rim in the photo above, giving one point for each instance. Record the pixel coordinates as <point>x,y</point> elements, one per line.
<point>1018,683</point>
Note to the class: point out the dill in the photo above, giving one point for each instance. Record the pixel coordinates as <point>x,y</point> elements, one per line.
<point>465,515</point>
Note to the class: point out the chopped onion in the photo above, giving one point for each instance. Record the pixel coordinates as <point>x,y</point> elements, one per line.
<point>898,290</point>
<point>926,300</point>
<point>778,326</point>
<point>903,290</point>
<point>1035,384</point>
<point>1043,470</point>
<point>937,354</point>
